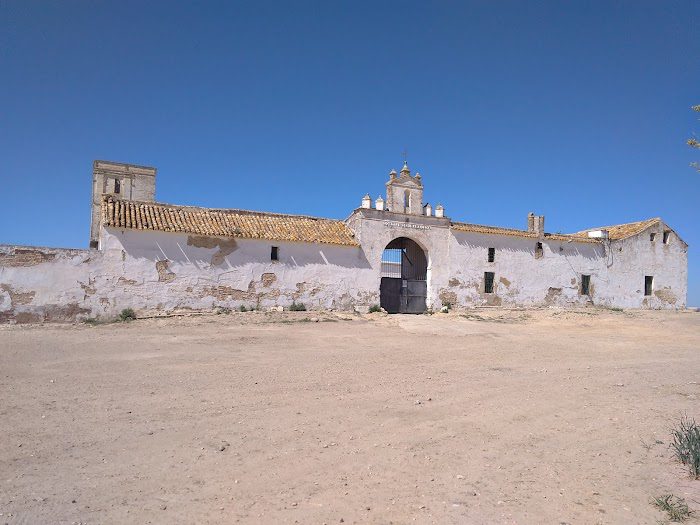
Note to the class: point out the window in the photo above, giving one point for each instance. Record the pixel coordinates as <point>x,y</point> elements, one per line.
<point>488,282</point>
<point>652,237</point>
<point>585,284</point>
<point>275,254</point>
<point>648,284</point>
<point>539,252</point>
<point>117,186</point>
<point>667,236</point>
<point>492,254</point>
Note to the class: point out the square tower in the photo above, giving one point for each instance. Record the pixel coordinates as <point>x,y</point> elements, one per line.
<point>124,181</point>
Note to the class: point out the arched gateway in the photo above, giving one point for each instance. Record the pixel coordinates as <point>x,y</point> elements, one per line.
<point>403,286</point>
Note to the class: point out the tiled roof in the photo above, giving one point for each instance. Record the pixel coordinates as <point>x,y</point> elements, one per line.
<point>154,216</point>
<point>494,230</point>
<point>622,231</point>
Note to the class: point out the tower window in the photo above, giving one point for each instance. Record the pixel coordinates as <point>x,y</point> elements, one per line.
<point>585,284</point>
<point>648,284</point>
<point>652,237</point>
<point>492,254</point>
<point>275,254</point>
<point>117,186</point>
<point>488,282</point>
<point>667,236</point>
<point>539,251</point>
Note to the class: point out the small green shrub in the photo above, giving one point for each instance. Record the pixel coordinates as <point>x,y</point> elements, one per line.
<point>242,308</point>
<point>686,444</point>
<point>375,308</point>
<point>447,304</point>
<point>675,507</point>
<point>92,321</point>
<point>297,307</point>
<point>127,314</point>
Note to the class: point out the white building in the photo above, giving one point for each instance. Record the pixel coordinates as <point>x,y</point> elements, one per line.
<point>400,253</point>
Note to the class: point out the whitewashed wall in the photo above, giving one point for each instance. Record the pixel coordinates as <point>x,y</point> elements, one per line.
<point>165,271</point>
<point>631,259</point>
<point>520,278</point>
<point>159,272</point>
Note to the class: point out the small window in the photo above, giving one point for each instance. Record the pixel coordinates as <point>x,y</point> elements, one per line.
<point>667,236</point>
<point>648,284</point>
<point>275,254</point>
<point>539,252</point>
<point>117,186</point>
<point>488,282</point>
<point>652,237</point>
<point>492,254</point>
<point>585,285</point>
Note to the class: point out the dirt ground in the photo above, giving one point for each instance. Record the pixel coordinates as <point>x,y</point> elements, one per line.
<point>487,416</point>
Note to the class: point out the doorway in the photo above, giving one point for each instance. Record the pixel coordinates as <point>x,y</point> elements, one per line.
<point>404,286</point>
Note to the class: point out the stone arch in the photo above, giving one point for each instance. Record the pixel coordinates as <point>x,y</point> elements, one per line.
<point>404,276</point>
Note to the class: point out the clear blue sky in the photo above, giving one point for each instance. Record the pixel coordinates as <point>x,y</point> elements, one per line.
<point>576,110</point>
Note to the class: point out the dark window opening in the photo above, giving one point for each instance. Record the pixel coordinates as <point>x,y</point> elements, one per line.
<point>652,237</point>
<point>667,237</point>
<point>488,282</point>
<point>585,285</point>
<point>539,252</point>
<point>492,254</point>
<point>275,254</point>
<point>93,244</point>
<point>117,186</point>
<point>648,284</point>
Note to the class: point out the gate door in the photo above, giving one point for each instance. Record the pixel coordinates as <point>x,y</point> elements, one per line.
<point>403,286</point>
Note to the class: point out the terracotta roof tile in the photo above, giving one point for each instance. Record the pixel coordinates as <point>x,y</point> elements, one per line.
<point>245,224</point>
<point>622,231</point>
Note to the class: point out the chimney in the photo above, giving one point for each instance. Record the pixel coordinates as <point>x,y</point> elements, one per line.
<point>439,211</point>
<point>379,203</point>
<point>535,223</point>
<point>539,224</point>
<point>366,202</point>
<point>531,222</point>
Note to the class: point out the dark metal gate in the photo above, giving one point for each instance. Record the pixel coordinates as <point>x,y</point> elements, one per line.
<point>403,287</point>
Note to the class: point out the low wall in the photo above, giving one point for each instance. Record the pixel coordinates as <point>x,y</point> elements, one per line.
<point>45,284</point>
<point>155,273</point>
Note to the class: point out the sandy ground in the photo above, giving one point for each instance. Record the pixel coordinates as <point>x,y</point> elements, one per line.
<point>492,416</point>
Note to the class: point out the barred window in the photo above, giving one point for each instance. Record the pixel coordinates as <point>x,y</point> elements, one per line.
<point>492,254</point>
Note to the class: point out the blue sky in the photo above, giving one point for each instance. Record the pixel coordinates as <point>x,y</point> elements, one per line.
<point>575,110</point>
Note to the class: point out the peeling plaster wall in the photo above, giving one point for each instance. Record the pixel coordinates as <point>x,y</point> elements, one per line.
<point>617,270</point>
<point>167,271</point>
<point>631,259</point>
<point>520,277</point>
<point>45,284</point>
<point>162,272</point>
